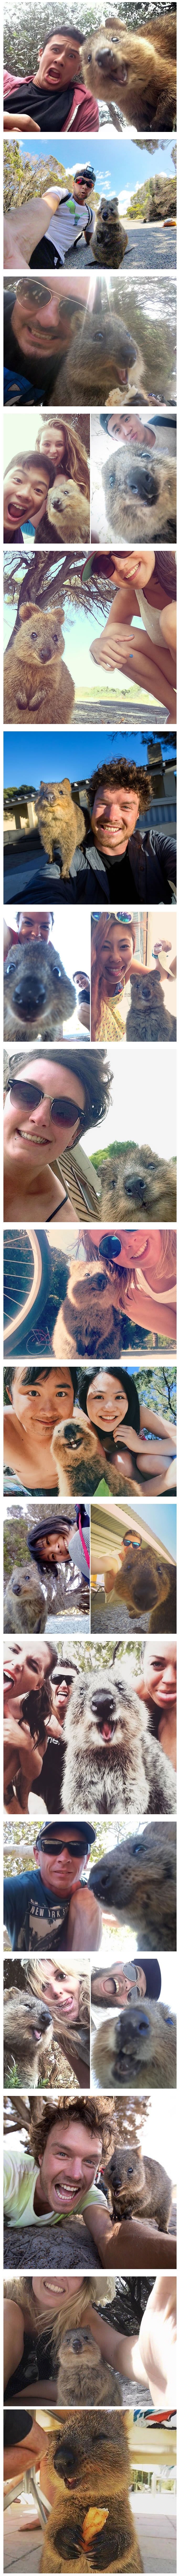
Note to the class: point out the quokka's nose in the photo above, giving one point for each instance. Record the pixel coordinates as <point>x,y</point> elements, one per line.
<point>29,995</point>
<point>103,1703</point>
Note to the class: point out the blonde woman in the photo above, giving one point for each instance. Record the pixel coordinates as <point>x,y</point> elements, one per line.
<point>50,2320</point>
<point>66,1995</point>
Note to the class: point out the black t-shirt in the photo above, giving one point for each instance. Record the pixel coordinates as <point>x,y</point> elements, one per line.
<point>36,2363</point>
<point>153,856</point>
<point>49,108</point>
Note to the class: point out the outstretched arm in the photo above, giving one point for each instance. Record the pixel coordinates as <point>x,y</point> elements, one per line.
<point>149,2357</point>
<point>132,2244</point>
<point>24,226</point>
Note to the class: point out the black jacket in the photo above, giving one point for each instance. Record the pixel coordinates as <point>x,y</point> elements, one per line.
<point>148,868</point>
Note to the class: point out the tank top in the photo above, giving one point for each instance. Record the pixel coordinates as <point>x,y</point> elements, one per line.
<point>150,619</point>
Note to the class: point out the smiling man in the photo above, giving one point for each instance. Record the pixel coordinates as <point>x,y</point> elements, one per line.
<point>26,485</point>
<point>38,1399</point>
<point>119,856</point>
<point>36,332</point>
<point>53,97</point>
<point>69,2146</point>
<point>47,1903</point>
<point>58,2175</point>
<point>125,1982</point>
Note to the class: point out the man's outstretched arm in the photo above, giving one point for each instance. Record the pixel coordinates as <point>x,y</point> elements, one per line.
<point>24,227</point>
<point>131,2244</point>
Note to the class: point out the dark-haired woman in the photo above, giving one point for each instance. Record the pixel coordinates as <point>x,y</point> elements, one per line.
<point>50,1101</point>
<point>111,1402</point>
<point>147,654</point>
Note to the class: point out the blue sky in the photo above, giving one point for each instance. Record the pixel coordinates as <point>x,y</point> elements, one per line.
<point>32,756</point>
<point>119,165</point>
<point>161,1517</point>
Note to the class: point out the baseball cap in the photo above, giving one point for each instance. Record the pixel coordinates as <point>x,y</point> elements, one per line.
<point>84,172</point>
<point>50,1835</point>
<point>152,1974</point>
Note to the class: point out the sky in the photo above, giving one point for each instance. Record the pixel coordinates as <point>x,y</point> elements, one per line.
<point>159,1519</point>
<point>119,166</point>
<point>28,757</point>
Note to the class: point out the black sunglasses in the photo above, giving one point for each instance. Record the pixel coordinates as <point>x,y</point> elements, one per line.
<point>28,1095</point>
<point>75,1848</point>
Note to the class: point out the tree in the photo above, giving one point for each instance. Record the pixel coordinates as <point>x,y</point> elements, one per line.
<point>155,201</point>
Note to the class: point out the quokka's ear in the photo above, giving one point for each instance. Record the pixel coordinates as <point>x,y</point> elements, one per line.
<point>26,610</point>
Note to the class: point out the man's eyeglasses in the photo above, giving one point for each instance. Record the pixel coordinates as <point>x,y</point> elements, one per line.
<point>75,1849</point>
<point>28,1095</point>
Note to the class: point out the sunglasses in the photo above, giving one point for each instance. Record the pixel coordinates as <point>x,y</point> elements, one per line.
<point>27,1095</point>
<point>75,1849</point>
<point>131,1542</point>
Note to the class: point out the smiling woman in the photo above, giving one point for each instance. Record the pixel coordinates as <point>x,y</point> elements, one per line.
<point>48,1105</point>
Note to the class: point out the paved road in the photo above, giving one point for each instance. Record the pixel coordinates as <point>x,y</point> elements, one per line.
<point>148,247</point>
<point>115,711</point>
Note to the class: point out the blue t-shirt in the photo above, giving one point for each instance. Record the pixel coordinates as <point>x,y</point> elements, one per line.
<point>33,1918</point>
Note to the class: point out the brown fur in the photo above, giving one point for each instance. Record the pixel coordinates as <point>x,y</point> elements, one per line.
<point>147,1582</point>
<point>140,495</point>
<point>33,675</point>
<point>137,1883</point>
<point>83,2374</point>
<point>38,997</point>
<point>28,2031</point>
<point>106,350</point>
<point>90,2466</point>
<point>61,821</point>
<point>68,510</point>
<point>109,239</point>
<point>136,2186</point>
<point>126,1772</point>
<point>25,1605</point>
<point>148,1018</point>
<point>148,96</point>
<point>138,2046</point>
<point>102,352</point>
<point>92,1321</point>
<point>137,1182</point>
<point>74,1449</point>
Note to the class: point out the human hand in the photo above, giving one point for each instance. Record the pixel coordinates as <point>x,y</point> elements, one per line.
<point>114,649</point>
<point>20,124</point>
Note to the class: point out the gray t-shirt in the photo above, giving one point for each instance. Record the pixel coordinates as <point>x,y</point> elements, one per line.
<point>66,226</point>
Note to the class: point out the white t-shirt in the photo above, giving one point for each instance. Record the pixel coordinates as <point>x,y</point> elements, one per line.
<point>67,225</point>
<point>20,2177</point>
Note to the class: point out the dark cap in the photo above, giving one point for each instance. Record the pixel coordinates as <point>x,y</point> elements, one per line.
<point>152,1974</point>
<point>44,1529</point>
<point>60,1825</point>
